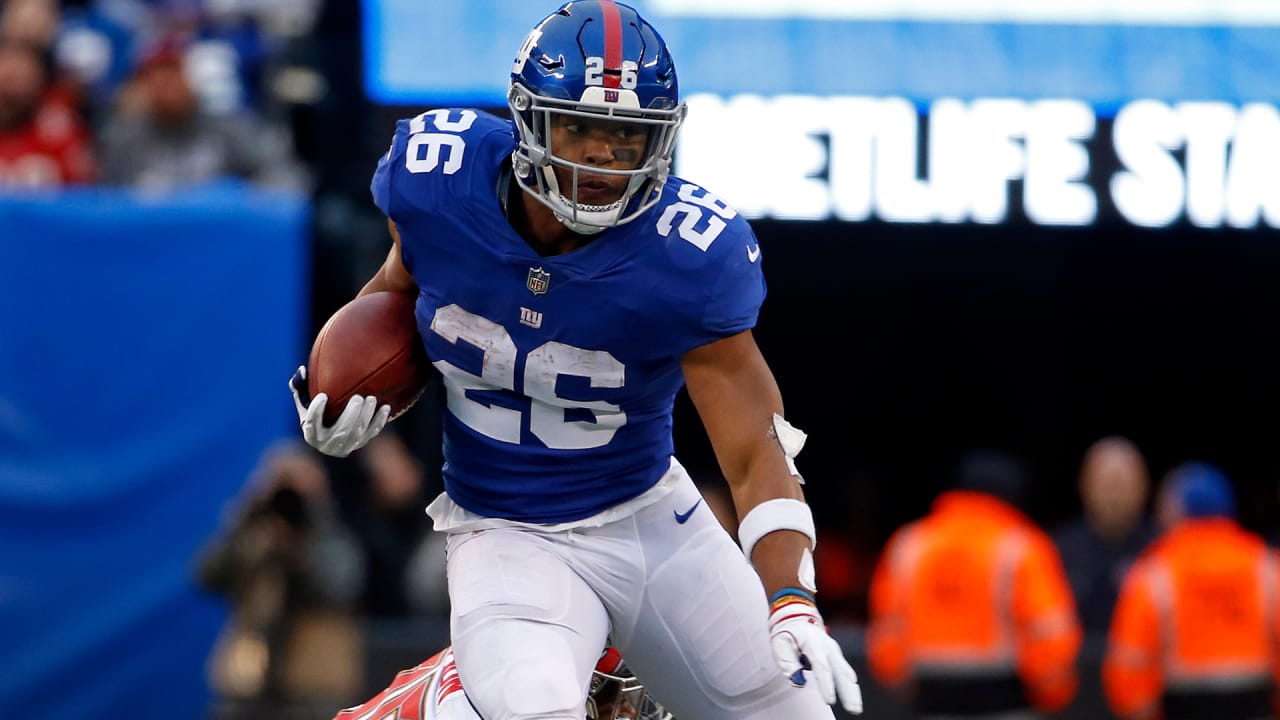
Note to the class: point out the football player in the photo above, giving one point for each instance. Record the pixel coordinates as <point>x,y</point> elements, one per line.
<point>567,286</point>
<point>432,691</point>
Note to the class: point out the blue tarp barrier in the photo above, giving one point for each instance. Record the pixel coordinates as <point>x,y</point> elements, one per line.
<point>145,342</point>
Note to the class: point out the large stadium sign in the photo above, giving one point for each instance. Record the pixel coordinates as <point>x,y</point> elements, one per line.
<point>1050,162</point>
<point>1053,112</point>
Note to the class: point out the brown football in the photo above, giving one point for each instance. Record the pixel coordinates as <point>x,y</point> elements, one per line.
<point>370,346</point>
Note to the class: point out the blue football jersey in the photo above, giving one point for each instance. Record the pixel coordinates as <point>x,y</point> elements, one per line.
<point>560,372</point>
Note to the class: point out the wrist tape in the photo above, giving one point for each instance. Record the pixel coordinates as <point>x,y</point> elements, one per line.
<point>790,596</point>
<point>791,438</point>
<point>773,515</point>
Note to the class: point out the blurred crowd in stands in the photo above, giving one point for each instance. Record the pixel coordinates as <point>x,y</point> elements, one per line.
<point>161,95</point>
<point>153,94</point>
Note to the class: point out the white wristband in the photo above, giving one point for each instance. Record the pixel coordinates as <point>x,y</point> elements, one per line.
<point>776,514</point>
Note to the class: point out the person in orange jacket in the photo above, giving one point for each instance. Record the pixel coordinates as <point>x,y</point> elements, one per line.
<point>1194,633</point>
<point>971,612</point>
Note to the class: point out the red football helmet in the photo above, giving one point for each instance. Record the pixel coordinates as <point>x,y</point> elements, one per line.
<point>616,694</point>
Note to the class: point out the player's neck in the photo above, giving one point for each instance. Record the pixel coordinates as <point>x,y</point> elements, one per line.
<point>540,227</point>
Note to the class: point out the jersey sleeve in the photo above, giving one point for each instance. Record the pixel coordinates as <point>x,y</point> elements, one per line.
<point>436,161</point>
<point>733,303</point>
<point>384,179</point>
<point>711,274</point>
<point>436,157</point>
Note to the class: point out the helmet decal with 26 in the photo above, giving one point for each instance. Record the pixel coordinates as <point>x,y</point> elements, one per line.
<point>597,106</point>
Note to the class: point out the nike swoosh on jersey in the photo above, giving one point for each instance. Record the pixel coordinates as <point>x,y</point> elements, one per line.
<point>753,253</point>
<point>681,517</point>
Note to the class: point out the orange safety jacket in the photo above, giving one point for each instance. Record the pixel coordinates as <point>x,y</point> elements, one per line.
<point>1194,632</point>
<point>971,612</point>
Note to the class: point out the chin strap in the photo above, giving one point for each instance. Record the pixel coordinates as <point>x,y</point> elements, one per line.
<point>579,227</point>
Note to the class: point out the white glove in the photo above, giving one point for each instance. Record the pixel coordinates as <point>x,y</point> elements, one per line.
<point>801,643</point>
<point>359,422</point>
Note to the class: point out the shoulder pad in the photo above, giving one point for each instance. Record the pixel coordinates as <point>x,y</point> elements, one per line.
<point>712,247</point>
<point>433,154</point>
<point>691,213</point>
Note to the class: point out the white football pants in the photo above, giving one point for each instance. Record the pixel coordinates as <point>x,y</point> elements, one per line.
<point>532,610</point>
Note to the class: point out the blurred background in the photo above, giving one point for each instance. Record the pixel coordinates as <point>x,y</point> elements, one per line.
<point>998,225</point>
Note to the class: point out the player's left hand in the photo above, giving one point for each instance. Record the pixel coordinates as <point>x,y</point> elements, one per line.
<point>801,645</point>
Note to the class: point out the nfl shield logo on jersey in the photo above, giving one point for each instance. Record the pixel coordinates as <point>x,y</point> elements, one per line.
<point>539,280</point>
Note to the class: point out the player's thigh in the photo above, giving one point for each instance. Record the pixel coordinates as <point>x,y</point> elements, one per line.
<point>526,629</point>
<point>701,638</point>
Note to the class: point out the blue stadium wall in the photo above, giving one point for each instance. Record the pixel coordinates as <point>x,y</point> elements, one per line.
<point>144,346</point>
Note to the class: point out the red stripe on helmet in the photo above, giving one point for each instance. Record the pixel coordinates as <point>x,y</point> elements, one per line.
<point>610,661</point>
<point>612,44</point>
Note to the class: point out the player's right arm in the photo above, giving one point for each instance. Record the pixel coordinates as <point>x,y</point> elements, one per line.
<point>430,158</point>
<point>363,418</point>
<point>393,276</point>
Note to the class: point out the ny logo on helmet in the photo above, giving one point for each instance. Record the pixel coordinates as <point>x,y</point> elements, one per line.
<point>539,281</point>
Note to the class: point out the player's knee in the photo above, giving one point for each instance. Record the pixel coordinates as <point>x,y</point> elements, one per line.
<point>540,691</point>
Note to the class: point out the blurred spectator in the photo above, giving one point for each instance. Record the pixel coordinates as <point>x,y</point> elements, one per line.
<point>383,496</point>
<point>292,574</point>
<point>42,141</point>
<point>160,137</point>
<point>1169,507</point>
<point>41,24</point>
<point>227,59</point>
<point>1099,547</point>
<point>31,22</point>
<point>92,54</point>
<point>1195,636</point>
<point>971,613</point>
<point>240,55</point>
<point>844,576</point>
